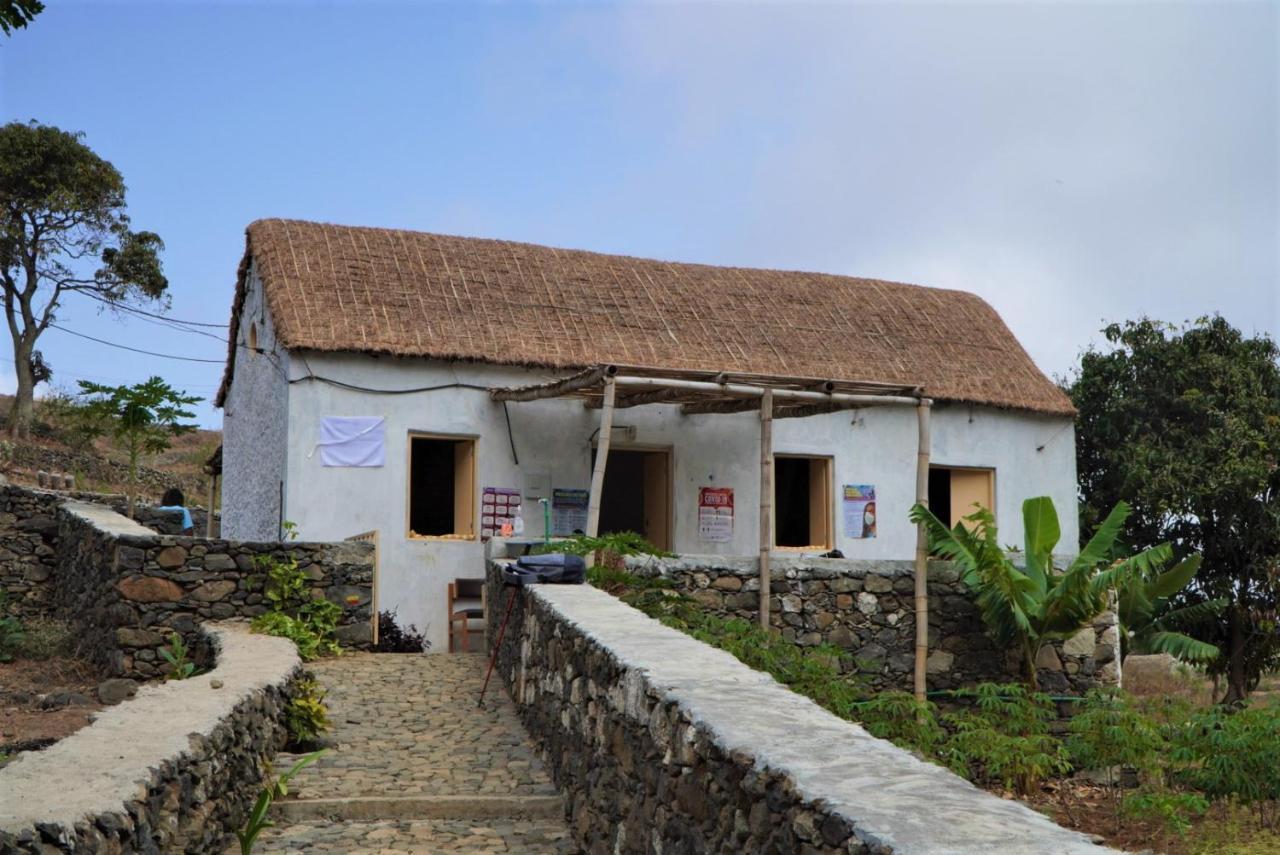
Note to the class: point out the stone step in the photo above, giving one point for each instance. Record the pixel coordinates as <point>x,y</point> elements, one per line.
<point>472,807</point>
<point>417,836</point>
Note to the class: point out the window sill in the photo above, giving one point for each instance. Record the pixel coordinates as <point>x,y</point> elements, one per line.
<point>442,538</point>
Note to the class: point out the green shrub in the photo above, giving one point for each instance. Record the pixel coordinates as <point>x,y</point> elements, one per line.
<point>620,543</point>
<point>1109,732</point>
<point>1173,810</point>
<point>306,716</point>
<point>811,671</point>
<point>11,636</point>
<point>1004,737</point>
<point>178,656</point>
<point>1232,754</point>
<point>904,721</point>
<point>309,621</point>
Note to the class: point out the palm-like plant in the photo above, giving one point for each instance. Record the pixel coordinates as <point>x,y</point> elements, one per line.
<point>1148,622</point>
<point>1025,608</point>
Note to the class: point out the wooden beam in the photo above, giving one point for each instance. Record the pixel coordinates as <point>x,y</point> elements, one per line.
<point>741,390</point>
<point>733,405</point>
<point>555,388</point>
<point>654,396</point>
<point>213,490</point>
<point>602,457</point>
<point>766,502</point>
<point>922,551</point>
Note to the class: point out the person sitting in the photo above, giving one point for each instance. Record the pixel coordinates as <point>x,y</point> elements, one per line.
<point>174,501</point>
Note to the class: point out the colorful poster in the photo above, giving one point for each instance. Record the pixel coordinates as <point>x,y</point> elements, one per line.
<point>568,511</point>
<point>715,514</point>
<point>859,510</point>
<point>500,512</point>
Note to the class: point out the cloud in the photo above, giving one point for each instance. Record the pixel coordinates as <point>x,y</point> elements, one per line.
<point>1071,163</point>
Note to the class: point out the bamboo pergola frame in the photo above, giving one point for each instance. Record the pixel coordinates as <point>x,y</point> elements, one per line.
<point>609,388</point>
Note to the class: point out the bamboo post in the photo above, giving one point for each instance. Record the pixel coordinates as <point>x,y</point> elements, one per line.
<point>602,456</point>
<point>766,501</point>
<point>922,551</point>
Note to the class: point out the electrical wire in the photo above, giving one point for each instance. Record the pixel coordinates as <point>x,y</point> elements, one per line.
<point>123,308</point>
<point>355,388</point>
<point>137,350</point>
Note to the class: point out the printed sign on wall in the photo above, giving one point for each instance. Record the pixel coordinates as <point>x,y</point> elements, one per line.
<point>500,512</point>
<point>715,514</point>
<point>859,510</point>
<point>568,511</point>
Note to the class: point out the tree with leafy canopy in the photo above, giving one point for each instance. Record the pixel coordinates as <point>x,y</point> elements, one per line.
<point>63,229</point>
<point>16,14</point>
<point>1184,423</point>
<point>140,419</point>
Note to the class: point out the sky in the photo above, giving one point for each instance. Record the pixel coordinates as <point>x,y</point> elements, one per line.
<point>1074,164</point>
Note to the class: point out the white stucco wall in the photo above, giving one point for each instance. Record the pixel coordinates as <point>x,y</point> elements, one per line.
<point>255,428</point>
<point>1032,455</point>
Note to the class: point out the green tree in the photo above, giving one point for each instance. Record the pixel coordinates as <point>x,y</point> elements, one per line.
<point>1150,624</point>
<point>16,14</point>
<point>1023,608</point>
<point>140,419</point>
<point>1184,422</point>
<point>63,229</point>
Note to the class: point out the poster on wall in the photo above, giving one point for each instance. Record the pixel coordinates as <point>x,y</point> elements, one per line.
<point>500,512</point>
<point>568,511</point>
<point>715,514</point>
<point>859,510</point>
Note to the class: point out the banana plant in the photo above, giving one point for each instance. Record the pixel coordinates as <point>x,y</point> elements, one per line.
<point>1148,622</point>
<point>1025,608</point>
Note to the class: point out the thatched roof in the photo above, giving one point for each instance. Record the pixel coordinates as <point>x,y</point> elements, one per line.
<point>402,293</point>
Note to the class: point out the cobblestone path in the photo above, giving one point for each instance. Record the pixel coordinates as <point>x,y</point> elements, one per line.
<point>416,767</point>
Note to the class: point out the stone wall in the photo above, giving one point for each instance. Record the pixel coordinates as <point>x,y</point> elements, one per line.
<point>663,744</point>
<point>172,770</point>
<point>28,534</point>
<point>867,609</point>
<point>127,589</point>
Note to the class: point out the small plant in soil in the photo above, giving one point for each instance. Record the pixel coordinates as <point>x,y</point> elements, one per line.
<point>11,635</point>
<point>306,716</point>
<point>1109,732</point>
<point>309,621</point>
<point>276,788</point>
<point>393,638</point>
<point>179,658</point>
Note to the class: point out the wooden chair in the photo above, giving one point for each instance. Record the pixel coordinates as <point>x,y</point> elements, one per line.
<point>466,603</point>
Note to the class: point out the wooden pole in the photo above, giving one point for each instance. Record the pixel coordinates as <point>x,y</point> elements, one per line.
<point>602,456</point>
<point>922,550</point>
<point>213,488</point>
<point>766,501</point>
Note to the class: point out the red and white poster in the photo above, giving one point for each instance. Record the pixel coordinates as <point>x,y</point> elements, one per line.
<point>715,514</point>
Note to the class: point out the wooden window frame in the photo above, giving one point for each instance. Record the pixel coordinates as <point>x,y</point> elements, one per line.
<point>827,517</point>
<point>471,485</point>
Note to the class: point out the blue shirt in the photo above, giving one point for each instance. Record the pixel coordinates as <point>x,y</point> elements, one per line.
<point>186,515</point>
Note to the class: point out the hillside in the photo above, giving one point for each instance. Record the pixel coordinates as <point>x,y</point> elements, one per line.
<point>99,468</point>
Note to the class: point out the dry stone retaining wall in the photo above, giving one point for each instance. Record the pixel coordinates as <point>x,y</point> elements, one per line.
<point>867,609</point>
<point>663,744</point>
<point>172,770</point>
<point>125,588</point>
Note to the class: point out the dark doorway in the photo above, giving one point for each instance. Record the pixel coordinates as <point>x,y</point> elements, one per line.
<point>802,501</point>
<point>636,496</point>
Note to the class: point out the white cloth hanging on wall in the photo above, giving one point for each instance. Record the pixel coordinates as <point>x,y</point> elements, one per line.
<point>352,441</point>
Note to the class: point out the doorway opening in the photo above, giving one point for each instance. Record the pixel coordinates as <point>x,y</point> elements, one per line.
<point>637,494</point>
<point>802,501</point>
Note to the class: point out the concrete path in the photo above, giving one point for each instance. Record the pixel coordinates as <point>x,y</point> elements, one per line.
<point>416,767</point>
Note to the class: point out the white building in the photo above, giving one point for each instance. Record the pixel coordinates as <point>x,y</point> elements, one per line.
<point>408,335</point>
